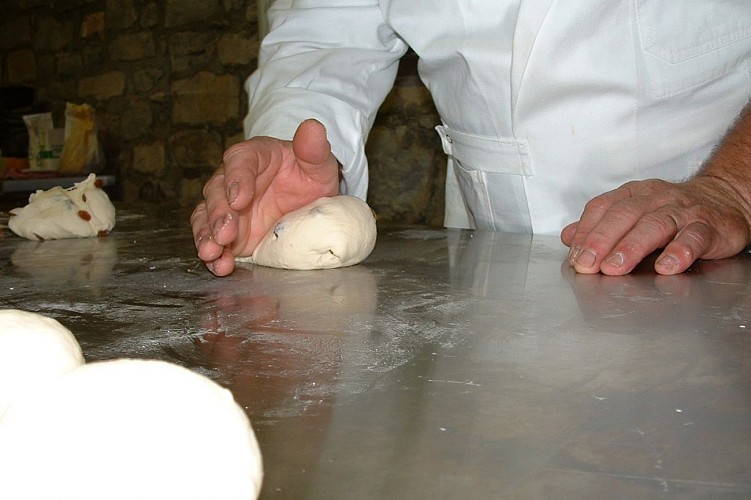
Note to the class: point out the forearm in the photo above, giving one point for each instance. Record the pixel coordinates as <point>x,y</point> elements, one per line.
<point>730,163</point>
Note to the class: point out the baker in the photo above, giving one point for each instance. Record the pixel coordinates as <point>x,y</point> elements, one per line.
<point>544,105</point>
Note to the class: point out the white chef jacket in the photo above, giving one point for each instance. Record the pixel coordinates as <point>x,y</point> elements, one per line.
<point>544,103</point>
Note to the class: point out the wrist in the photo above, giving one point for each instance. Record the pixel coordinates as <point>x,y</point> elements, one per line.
<point>726,190</point>
<point>728,169</point>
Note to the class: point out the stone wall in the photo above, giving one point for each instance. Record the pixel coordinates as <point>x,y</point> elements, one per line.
<point>166,80</point>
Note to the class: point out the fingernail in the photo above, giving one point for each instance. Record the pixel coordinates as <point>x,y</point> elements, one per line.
<point>201,238</point>
<point>220,223</point>
<point>667,263</point>
<point>573,253</point>
<point>586,258</point>
<point>615,259</point>
<point>232,192</point>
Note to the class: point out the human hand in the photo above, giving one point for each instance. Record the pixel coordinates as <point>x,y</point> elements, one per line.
<point>701,218</point>
<point>260,180</point>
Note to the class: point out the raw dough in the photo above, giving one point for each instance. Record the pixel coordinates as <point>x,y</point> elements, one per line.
<point>82,211</point>
<point>328,233</point>
<point>33,349</point>
<point>128,429</point>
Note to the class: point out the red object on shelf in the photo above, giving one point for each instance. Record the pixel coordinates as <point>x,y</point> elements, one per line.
<point>15,168</point>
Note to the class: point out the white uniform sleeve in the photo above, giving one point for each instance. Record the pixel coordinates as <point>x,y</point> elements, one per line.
<point>332,60</point>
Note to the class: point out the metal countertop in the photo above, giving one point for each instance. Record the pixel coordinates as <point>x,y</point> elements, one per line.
<point>450,364</point>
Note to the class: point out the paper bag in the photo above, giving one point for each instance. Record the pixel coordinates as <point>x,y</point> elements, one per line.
<point>81,150</point>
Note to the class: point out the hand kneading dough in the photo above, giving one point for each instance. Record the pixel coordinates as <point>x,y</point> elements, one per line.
<point>129,429</point>
<point>328,233</point>
<point>33,349</point>
<point>82,211</point>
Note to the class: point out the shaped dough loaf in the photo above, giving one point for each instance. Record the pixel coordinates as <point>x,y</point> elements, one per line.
<point>127,429</point>
<point>33,350</point>
<point>120,429</point>
<point>328,233</point>
<point>82,211</point>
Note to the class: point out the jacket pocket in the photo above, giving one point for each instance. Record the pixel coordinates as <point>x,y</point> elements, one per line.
<point>678,31</point>
<point>688,43</point>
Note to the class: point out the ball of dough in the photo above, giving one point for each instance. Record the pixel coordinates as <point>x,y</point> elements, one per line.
<point>82,211</point>
<point>328,233</point>
<point>33,349</point>
<point>126,429</point>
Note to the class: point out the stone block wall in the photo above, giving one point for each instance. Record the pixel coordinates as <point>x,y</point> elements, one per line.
<point>166,80</point>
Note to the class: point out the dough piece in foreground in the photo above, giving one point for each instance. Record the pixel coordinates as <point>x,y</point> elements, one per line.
<point>127,429</point>
<point>328,233</point>
<point>33,350</point>
<point>82,211</point>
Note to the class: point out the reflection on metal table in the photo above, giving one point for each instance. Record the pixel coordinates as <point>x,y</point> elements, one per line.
<point>449,364</point>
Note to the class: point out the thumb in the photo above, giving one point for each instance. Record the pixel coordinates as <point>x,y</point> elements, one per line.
<point>310,145</point>
<point>568,232</point>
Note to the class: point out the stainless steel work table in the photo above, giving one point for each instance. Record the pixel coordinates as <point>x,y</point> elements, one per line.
<point>450,364</point>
